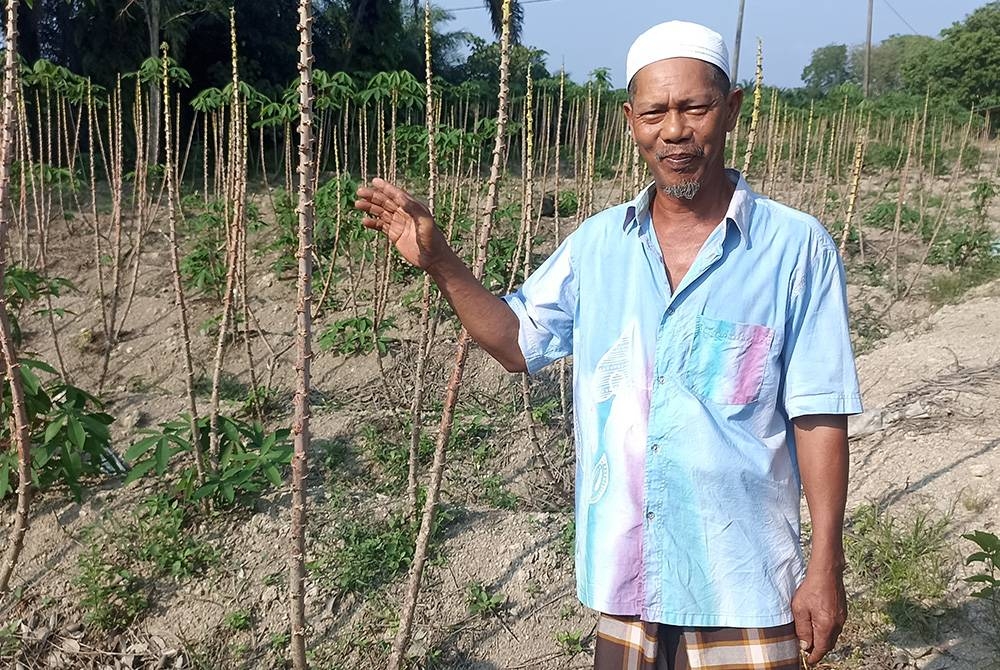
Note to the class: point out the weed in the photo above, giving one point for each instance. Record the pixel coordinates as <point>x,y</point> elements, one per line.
<point>238,620</point>
<point>158,536</point>
<point>497,495</point>
<point>373,553</point>
<point>882,215</point>
<point>566,612</point>
<point>570,642</point>
<point>948,288</point>
<point>566,542</point>
<point>481,602</point>
<point>869,328</point>
<point>983,193</point>
<point>902,566</point>
<point>569,203</point>
<point>113,597</point>
<point>279,641</point>
<point>961,248</point>
<point>976,503</point>
<point>352,336</point>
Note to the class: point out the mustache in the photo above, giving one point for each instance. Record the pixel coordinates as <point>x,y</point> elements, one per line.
<point>687,152</point>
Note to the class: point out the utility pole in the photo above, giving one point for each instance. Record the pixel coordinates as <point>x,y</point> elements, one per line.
<point>868,50</point>
<point>736,47</point>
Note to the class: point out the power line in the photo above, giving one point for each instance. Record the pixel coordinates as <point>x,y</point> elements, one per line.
<point>900,17</point>
<point>480,7</point>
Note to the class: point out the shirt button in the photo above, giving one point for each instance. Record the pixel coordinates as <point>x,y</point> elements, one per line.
<point>650,516</point>
<point>661,379</point>
<point>655,448</point>
<point>670,310</point>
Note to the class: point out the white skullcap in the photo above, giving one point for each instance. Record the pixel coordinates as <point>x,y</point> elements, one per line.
<point>677,39</point>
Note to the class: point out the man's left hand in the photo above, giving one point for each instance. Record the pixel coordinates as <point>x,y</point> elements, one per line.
<point>820,610</point>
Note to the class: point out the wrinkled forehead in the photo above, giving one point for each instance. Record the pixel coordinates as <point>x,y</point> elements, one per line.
<point>672,77</point>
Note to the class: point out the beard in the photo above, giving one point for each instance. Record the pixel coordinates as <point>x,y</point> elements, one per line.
<point>686,190</point>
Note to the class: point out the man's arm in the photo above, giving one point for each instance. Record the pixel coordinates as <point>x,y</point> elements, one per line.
<point>820,605</point>
<point>410,227</point>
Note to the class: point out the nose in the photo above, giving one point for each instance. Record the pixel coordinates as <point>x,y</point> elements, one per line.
<point>674,128</point>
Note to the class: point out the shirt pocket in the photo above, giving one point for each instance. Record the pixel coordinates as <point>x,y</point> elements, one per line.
<point>727,360</point>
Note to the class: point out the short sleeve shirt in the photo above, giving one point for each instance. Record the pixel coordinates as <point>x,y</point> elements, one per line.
<point>687,486</point>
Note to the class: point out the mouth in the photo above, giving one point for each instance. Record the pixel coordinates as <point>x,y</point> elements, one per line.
<point>678,161</point>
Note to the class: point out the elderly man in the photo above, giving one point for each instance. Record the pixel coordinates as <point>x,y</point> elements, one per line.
<point>713,374</point>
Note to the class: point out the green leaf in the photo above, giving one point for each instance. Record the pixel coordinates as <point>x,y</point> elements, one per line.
<point>162,455</point>
<point>140,447</point>
<point>76,434</point>
<point>272,473</point>
<point>4,478</point>
<point>978,556</point>
<point>982,579</point>
<point>228,492</point>
<point>53,428</point>
<point>139,470</point>
<point>202,491</point>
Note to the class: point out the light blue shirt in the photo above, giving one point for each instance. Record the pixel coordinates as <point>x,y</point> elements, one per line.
<point>687,486</point>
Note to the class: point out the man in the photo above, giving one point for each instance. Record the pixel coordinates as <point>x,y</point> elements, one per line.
<point>712,376</point>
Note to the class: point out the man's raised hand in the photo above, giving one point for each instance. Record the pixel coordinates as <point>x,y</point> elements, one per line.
<point>405,221</point>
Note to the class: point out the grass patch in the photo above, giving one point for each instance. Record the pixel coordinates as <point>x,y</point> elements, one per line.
<point>900,567</point>
<point>947,289</point>
<point>121,564</point>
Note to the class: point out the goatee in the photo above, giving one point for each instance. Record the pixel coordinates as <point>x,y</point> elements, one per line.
<point>686,190</point>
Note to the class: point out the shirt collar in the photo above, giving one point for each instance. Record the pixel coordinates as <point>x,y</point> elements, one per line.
<point>740,207</point>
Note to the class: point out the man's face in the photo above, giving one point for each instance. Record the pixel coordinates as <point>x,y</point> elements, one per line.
<point>679,119</point>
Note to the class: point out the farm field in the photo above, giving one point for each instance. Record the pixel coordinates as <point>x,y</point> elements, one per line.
<point>153,304</point>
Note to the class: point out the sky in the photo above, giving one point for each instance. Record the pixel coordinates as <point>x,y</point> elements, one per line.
<point>587,34</point>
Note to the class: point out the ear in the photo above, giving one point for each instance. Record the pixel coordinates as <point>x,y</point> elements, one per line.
<point>629,117</point>
<point>733,104</point>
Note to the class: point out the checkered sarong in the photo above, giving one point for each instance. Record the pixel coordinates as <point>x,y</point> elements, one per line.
<point>626,643</point>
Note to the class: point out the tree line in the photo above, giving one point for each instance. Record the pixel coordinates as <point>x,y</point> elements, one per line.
<point>99,39</point>
<point>963,64</point>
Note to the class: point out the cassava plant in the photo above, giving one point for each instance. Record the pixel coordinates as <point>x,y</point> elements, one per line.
<point>303,341</point>
<point>415,577</point>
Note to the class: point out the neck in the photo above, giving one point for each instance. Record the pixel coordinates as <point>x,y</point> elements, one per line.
<point>708,206</point>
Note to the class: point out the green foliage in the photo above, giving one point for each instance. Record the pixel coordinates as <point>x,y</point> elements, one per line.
<point>868,327</point>
<point>113,597</point>
<point>22,287</point>
<point>949,287</point>
<point>158,535</point>
<point>569,203</point>
<point>203,267</point>
<point>70,439</point>
<point>497,494</point>
<point>882,215</point>
<point>962,247</point>
<point>983,192</point>
<point>988,557</point>
<point>238,620</point>
<point>987,577</point>
<point>827,69</point>
<point>391,451</point>
<point>566,542</point>
<point>250,459</point>
<point>571,642</point>
<point>353,336</point>
<point>964,64</point>
<point>481,602</point>
<point>121,563</point>
<point>902,566</point>
<point>373,553</point>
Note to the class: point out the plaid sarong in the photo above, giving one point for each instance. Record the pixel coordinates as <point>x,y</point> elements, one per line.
<point>626,643</point>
